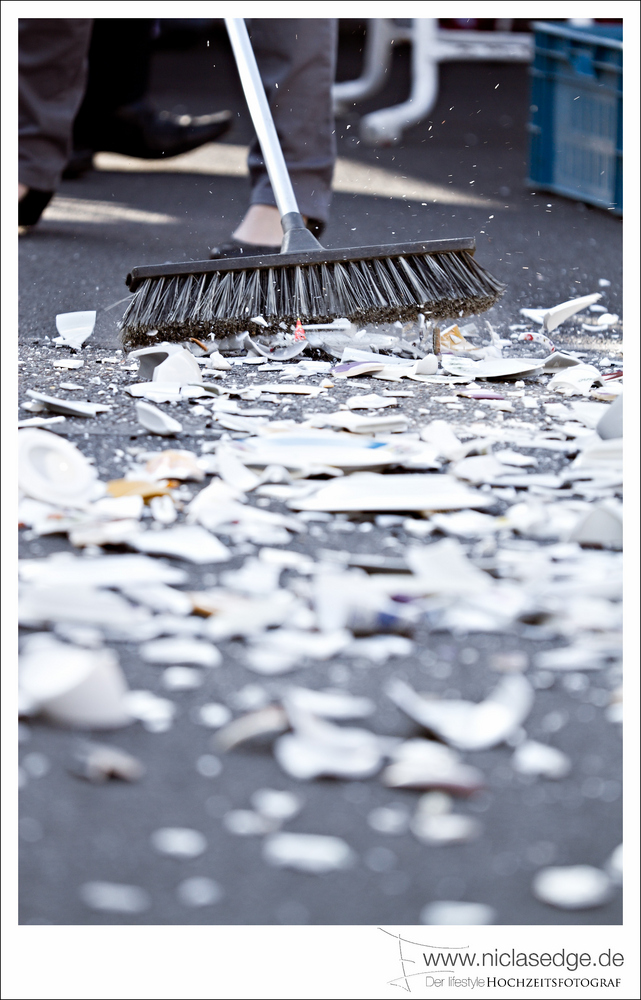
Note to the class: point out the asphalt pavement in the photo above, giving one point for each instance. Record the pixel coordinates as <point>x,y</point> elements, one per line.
<point>473,154</point>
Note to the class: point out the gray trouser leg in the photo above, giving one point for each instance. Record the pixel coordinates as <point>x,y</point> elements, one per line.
<point>297,62</point>
<point>52,66</point>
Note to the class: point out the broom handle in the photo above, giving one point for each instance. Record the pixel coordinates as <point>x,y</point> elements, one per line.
<point>263,122</point>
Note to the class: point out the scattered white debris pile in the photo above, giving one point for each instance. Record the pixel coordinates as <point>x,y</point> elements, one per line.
<point>460,530</point>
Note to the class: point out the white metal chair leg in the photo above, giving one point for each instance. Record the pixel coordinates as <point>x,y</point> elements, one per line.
<point>377,60</point>
<point>386,126</point>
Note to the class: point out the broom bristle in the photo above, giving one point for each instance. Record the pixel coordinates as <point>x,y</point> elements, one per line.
<point>381,290</point>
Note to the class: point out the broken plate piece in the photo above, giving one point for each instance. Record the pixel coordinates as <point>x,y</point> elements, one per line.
<point>575,381</point>
<point>74,328</point>
<point>167,363</point>
<point>501,368</point>
<point>553,316</point>
<point>77,687</point>
<point>185,541</point>
<point>464,724</point>
<point>610,424</point>
<point>64,569</point>
<point>319,749</point>
<point>602,525</point>
<point>307,852</point>
<point>426,764</point>
<point>69,363</point>
<point>218,362</point>
<point>98,763</point>
<point>179,842</point>
<point>70,407</point>
<point>267,721</point>
<point>154,420</point>
<point>156,714</point>
<point>372,491</point>
<point>113,897</point>
<point>370,401</point>
<point>173,464</point>
<point>310,447</point>
<point>541,760</point>
<point>276,805</point>
<point>180,650</point>
<point>578,887</point>
<point>445,828</point>
<point>52,469</point>
<point>362,425</point>
<point>454,914</point>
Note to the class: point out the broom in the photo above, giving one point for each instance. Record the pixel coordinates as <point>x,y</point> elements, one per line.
<point>305,281</point>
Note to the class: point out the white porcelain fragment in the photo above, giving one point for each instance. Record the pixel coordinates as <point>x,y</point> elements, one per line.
<point>553,316</point>
<point>154,420</point>
<point>372,491</point>
<point>574,887</point>
<point>52,469</point>
<point>464,724</point>
<point>308,852</point>
<point>421,763</point>
<point>370,401</point>
<point>179,842</point>
<point>114,897</point>
<point>575,381</point>
<point>74,328</point>
<point>199,891</point>
<point>611,423</point>
<point>180,650</point>
<point>182,678</point>
<point>218,362</point>
<point>213,715</point>
<point>329,704</point>
<point>276,805</point>
<point>445,828</point>
<point>491,367</point>
<point>451,913</point>
<point>83,688</point>
<point>156,714</point>
<point>185,541</point>
<point>541,760</point>
<point>69,407</point>
<point>427,365</point>
<point>167,363</point>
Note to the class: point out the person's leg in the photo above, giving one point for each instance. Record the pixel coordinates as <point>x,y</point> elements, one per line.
<point>52,65</point>
<point>297,62</point>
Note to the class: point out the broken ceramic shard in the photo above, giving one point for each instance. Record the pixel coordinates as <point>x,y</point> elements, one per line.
<point>180,650</point>
<point>602,525</point>
<point>464,724</point>
<point>245,823</point>
<point>578,887</point>
<point>553,316</point>
<point>575,381</point>
<point>182,678</point>
<point>267,721</point>
<point>179,842</point>
<point>392,819</point>
<point>114,897</point>
<point>186,541</point>
<point>276,805</point>
<point>446,913</point>
<point>154,420</point>
<point>52,469</point>
<point>371,401</point>
<point>199,891</point>
<point>65,569</point>
<point>503,368</point>
<point>218,362</point>
<point>174,464</point>
<point>213,715</point>
<point>319,749</point>
<point>610,424</point>
<point>330,704</point>
<point>371,491</point>
<point>74,328</point>
<point>69,407</point>
<point>98,762</point>
<point>309,446</point>
<point>156,714</point>
<point>541,760</point>
<point>445,828</point>
<point>425,764</point>
<point>83,688</point>
<point>308,852</point>
<point>167,363</point>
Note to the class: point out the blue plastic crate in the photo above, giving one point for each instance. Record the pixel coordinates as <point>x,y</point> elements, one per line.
<point>576,124</point>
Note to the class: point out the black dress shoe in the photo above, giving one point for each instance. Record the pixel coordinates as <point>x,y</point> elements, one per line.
<point>137,130</point>
<point>31,207</point>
